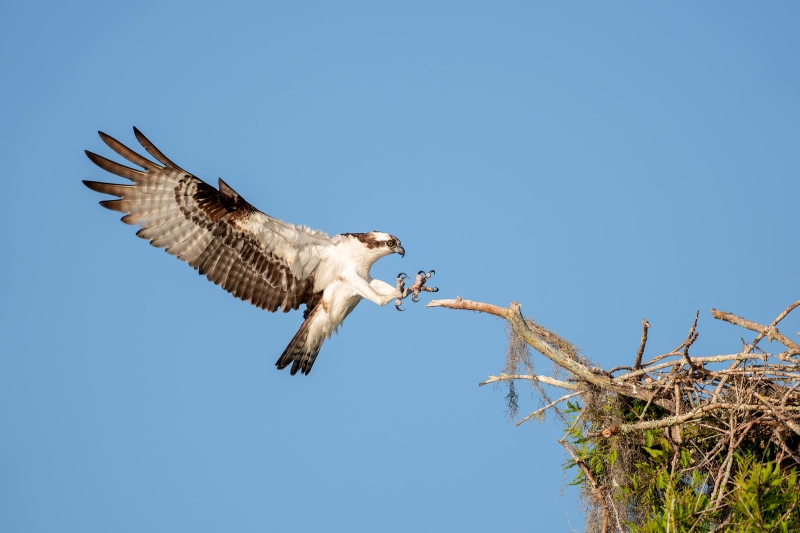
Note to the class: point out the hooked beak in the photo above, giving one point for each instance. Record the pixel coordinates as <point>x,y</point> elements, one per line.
<point>399,250</point>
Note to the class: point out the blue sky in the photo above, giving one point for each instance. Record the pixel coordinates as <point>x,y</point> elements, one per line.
<point>597,162</point>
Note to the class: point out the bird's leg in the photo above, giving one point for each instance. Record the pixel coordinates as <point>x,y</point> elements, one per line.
<point>401,290</point>
<point>401,282</point>
<point>414,290</point>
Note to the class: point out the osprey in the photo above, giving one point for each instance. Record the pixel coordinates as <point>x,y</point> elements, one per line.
<point>257,258</point>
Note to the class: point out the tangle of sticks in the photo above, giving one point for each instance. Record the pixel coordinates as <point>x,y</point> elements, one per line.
<point>710,406</point>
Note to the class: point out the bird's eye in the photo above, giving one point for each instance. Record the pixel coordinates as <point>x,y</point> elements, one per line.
<point>390,243</point>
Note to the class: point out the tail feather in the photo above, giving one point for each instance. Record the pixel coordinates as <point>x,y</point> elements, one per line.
<point>300,352</point>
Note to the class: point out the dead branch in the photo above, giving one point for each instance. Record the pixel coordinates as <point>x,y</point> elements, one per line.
<point>770,332</point>
<point>675,420</point>
<point>564,360</point>
<point>689,341</point>
<point>640,353</point>
<point>469,305</point>
<point>543,379</point>
<point>775,322</point>
<point>707,359</point>
<point>548,406</point>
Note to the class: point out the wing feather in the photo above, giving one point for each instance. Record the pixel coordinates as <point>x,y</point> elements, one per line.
<point>155,152</point>
<point>115,168</point>
<point>217,232</point>
<point>190,250</point>
<point>127,153</point>
<point>159,217</point>
<point>171,233</point>
<point>186,244</point>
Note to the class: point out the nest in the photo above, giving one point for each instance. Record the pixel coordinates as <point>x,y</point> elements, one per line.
<point>693,417</point>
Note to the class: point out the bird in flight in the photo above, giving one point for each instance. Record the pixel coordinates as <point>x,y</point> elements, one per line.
<point>262,260</point>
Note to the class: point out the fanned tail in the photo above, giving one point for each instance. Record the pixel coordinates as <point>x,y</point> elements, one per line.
<point>301,351</point>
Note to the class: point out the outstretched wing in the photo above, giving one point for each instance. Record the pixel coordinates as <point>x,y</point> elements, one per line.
<point>255,257</point>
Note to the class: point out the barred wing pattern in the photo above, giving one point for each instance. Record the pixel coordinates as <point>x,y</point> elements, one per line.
<point>255,257</point>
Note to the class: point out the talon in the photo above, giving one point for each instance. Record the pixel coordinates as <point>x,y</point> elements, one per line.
<point>414,290</point>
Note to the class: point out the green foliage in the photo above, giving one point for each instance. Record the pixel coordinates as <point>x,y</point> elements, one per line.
<point>663,481</point>
<point>679,499</point>
<point>766,498</point>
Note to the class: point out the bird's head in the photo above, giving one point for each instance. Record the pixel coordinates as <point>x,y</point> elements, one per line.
<point>378,244</point>
<point>389,243</point>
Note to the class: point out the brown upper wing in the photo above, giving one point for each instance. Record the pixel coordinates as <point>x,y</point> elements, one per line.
<point>212,230</point>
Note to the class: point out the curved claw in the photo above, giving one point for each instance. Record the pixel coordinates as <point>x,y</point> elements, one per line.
<point>397,306</point>
<point>421,273</point>
<point>402,275</point>
<point>435,289</point>
<point>431,273</point>
<point>415,297</point>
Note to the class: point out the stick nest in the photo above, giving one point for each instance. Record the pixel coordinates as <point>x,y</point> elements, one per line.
<point>693,417</point>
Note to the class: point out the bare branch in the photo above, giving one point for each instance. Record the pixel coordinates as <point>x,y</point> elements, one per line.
<point>544,379</point>
<point>565,360</point>
<point>548,406</point>
<point>770,332</point>
<point>469,305</point>
<point>775,322</point>
<point>680,419</point>
<point>689,341</point>
<point>707,359</point>
<point>582,372</point>
<point>640,353</point>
